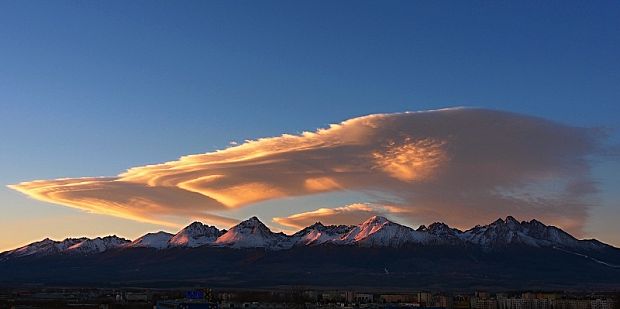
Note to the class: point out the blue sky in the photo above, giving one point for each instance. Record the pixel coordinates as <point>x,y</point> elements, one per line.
<point>93,88</point>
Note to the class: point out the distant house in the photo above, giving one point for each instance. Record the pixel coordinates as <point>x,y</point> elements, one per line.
<point>136,297</point>
<point>185,304</point>
<point>363,298</point>
<point>398,298</point>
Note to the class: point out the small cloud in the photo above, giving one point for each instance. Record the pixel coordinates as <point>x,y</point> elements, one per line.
<point>348,215</point>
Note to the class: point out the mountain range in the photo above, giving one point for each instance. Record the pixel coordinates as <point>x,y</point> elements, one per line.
<point>349,254</point>
<point>377,231</point>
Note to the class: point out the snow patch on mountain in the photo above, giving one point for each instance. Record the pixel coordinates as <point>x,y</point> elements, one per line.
<point>97,245</point>
<point>318,234</point>
<point>43,247</point>
<point>196,235</point>
<point>380,232</point>
<point>252,233</point>
<point>158,240</point>
<point>533,233</point>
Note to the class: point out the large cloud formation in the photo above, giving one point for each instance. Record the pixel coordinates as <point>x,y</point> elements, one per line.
<point>461,166</point>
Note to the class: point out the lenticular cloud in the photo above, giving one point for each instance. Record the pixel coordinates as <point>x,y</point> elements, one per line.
<point>460,166</point>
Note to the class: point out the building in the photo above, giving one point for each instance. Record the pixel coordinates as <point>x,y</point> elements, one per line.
<point>334,297</point>
<point>185,304</point>
<point>136,297</point>
<point>602,304</point>
<point>461,302</point>
<point>398,298</point>
<point>571,304</point>
<point>528,301</point>
<point>425,299</point>
<point>443,301</point>
<point>483,303</point>
<point>363,298</point>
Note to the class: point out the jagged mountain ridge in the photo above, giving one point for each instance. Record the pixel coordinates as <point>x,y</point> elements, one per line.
<point>251,233</point>
<point>505,254</point>
<point>317,234</point>
<point>81,245</point>
<point>98,244</point>
<point>381,232</point>
<point>195,235</point>
<point>377,231</point>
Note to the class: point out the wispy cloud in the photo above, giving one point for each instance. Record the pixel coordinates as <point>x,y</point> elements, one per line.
<point>462,166</point>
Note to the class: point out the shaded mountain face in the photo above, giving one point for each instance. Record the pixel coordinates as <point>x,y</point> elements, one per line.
<point>441,233</point>
<point>533,233</point>
<point>318,234</point>
<point>376,232</point>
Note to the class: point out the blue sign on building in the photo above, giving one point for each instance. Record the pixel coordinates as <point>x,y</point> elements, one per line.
<point>195,294</point>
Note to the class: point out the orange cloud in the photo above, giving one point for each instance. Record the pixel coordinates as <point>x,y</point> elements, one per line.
<point>111,196</point>
<point>461,166</point>
<point>411,160</point>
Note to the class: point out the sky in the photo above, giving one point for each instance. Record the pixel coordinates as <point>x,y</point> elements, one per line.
<point>89,90</point>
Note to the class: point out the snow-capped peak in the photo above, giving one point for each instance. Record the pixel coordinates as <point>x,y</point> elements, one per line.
<point>251,233</point>
<point>44,247</point>
<point>68,245</point>
<point>378,231</point>
<point>99,244</point>
<point>442,230</point>
<point>195,235</point>
<point>511,221</point>
<point>376,220</point>
<point>158,240</point>
<point>318,233</point>
<point>532,233</point>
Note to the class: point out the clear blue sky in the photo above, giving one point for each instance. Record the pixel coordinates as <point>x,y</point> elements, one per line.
<point>94,87</point>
